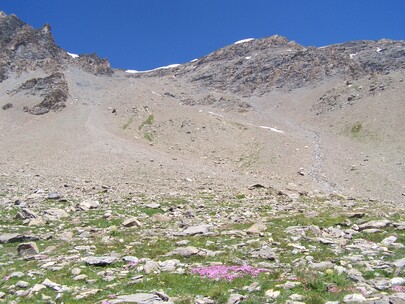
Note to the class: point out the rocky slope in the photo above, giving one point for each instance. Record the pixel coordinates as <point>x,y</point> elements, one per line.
<point>265,172</point>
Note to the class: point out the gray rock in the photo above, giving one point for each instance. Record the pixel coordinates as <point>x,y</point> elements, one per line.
<point>130,259</point>
<point>55,286</point>
<point>54,195</point>
<point>16,238</point>
<point>151,266</point>
<point>22,284</point>
<point>354,298</point>
<point>257,228</point>
<point>266,253</point>
<point>355,275</point>
<point>169,265</point>
<point>2,295</point>
<point>38,222</point>
<point>399,263</point>
<point>26,214</point>
<point>131,222</point>
<point>374,224</point>
<point>153,205</point>
<point>185,251</point>
<point>235,298</point>
<point>381,284</point>
<point>139,298</point>
<point>101,261</point>
<point>322,265</point>
<point>87,205</point>
<point>54,214</point>
<point>389,240</point>
<point>397,298</point>
<point>28,249</point>
<point>193,230</point>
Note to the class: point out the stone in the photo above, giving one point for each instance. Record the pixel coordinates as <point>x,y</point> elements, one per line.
<point>389,240</point>
<point>139,298</point>
<point>80,277</point>
<point>87,293</point>
<point>168,265</point>
<point>355,275</point>
<point>326,241</point>
<point>131,222</point>
<point>153,206</point>
<point>235,298</point>
<point>354,298</point>
<point>381,284</point>
<point>265,252</point>
<point>185,251</point>
<point>28,249</point>
<point>182,243</point>
<point>87,205</point>
<point>2,295</point>
<point>22,284</point>
<point>55,214</point>
<point>76,271</point>
<point>37,222</point>
<point>101,260</point>
<point>399,263</point>
<point>397,298</point>
<point>272,294</point>
<point>130,259</point>
<point>194,230</point>
<point>36,288</point>
<point>374,224</point>
<point>397,281</point>
<point>289,285</point>
<point>16,238</point>
<point>55,286</point>
<point>26,213</point>
<point>150,266</point>
<point>296,297</point>
<point>256,228</point>
<point>54,195</point>
<point>321,265</point>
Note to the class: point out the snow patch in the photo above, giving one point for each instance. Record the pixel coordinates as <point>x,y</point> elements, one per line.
<point>248,57</point>
<point>271,129</point>
<point>379,50</point>
<point>215,114</point>
<point>170,66</point>
<point>194,60</point>
<point>244,40</point>
<point>72,55</point>
<point>352,55</point>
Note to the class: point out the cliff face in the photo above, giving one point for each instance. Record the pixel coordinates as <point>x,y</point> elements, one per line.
<point>25,49</point>
<point>257,66</point>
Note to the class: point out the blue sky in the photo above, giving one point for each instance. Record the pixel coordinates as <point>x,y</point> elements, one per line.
<point>144,34</point>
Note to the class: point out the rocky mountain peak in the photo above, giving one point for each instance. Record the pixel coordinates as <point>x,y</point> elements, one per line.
<point>23,48</point>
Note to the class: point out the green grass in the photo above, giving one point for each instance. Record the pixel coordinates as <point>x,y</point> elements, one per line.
<point>148,121</point>
<point>128,123</point>
<point>356,129</point>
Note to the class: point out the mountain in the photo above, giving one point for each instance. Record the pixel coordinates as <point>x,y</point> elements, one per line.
<point>263,172</point>
<point>266,111</point>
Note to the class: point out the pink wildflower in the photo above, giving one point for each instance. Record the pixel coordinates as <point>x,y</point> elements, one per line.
<point>229,273</point>
<point>398,288</point>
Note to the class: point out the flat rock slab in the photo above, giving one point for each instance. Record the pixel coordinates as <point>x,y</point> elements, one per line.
<point>16,238</point>
<point>101,261</point>
<point>140,298</point>
<point>27,249</point>
<point>131,222</point>
<point>375,224</point>
<point>193,230</point>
